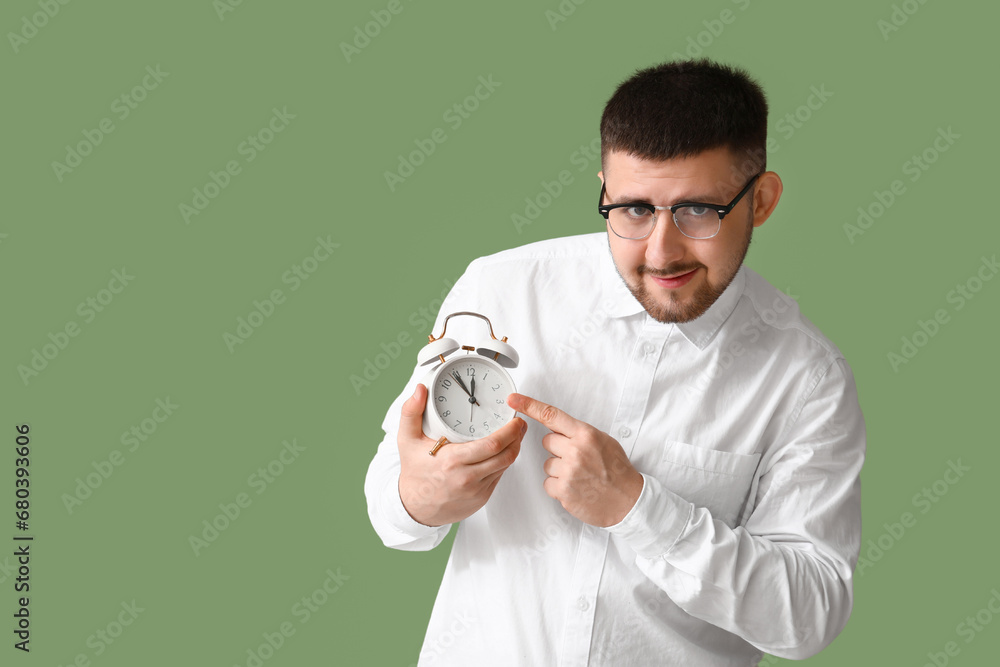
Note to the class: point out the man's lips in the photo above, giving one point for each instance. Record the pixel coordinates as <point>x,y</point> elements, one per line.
<point>675,281</point>
<point>676,275</point>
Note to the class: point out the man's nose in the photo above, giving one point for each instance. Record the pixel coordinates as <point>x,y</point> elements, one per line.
<point>665,244</point>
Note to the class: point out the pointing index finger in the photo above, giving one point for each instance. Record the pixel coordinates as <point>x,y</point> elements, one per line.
<point>549,416</point>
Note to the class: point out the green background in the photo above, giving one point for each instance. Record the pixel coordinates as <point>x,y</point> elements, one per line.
<point>323,176</point>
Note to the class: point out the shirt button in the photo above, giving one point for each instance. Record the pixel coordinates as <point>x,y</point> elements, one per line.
<point>624,432</point>
<point>649,349</point>
<point>582,604</point>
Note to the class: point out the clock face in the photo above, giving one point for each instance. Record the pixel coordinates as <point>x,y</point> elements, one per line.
<point>470,396</point>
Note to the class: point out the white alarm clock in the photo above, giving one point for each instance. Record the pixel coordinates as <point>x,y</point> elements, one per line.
<point>466,394</point>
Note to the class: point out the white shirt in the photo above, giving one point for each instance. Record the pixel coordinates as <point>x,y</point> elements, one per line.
<point>746,427</point>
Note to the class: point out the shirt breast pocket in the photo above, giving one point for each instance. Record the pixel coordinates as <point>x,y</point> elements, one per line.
<point>718,481</point>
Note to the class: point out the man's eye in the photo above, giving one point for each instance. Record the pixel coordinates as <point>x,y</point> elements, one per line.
<point>698,211</point>
<point>636,212</point>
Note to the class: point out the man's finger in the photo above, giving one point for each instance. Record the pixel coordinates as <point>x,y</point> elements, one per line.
<point>477,451</point>
<point>496,464</point>
<point>551,417</point>
<point>557,444</point>
<point>412,415</point>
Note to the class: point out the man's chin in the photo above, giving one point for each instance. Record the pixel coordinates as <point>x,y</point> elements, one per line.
<point>667,310</point>
<point>670,308</point>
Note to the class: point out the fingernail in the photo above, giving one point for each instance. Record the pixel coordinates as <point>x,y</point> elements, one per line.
<point>524,427</point>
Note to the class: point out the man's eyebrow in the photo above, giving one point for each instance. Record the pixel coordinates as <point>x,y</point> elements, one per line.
<point>691,199</point>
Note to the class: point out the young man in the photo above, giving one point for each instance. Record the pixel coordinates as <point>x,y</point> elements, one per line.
<point>686,488</point>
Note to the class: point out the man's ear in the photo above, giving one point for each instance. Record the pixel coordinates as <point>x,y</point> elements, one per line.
<point>767,192</point>
<point>600,175</point>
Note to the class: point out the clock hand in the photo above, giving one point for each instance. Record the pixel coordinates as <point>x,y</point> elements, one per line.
<point>458,378</point>
<point>472,398</point>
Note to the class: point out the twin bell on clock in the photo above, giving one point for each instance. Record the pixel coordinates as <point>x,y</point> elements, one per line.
<point>466,393</point>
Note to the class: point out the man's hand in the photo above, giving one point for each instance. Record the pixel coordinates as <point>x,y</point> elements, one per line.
<point>588,472</point>
<point>460,478</point>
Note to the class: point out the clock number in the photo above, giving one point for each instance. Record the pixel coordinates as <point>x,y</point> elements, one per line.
<point>446,413</point>
<point>446,383</point>
<point>442,399</point>
<point>500,400</point>
<point>496,387</point>
<point>486,425</point>
<point>470,371</point>
<point>484,375</point>
<point>497,416</point>
<point>458,422</point>
<point>472,429</point>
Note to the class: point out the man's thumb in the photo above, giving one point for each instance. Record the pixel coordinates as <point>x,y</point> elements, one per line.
<point>411,419</point>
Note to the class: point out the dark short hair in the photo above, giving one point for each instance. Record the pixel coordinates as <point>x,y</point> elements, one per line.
<point>681,108</point>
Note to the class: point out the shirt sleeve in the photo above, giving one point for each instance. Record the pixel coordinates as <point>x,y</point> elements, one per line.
<point>783,580</point>
<point>388,516</point>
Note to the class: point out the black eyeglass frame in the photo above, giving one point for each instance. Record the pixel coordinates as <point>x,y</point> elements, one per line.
<point>605,209</point>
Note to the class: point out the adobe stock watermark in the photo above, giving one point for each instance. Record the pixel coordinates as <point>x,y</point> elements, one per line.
<point>438,648</point>
<point>923,501</point>
<point>915,167</point>
<point>899,16</point>
<point>364,34</point>
<point>258,481</point>
<point>455,116</point>
<point>122,107</point>
<point>543,538</point>
<point>223,7</point>
<point>302,610</point>
<point>749,333</point>
<point>88,309</point>
<point>103,638</point>
<point>420,320</point>
<point>586,328</point>
<point>7,570</point>
<point>787,125</point>
<point>794,120</point>
<point>30,25</point>
<point>961,294</point>
<point>581,158</point>
<point>294,276</point>
<point>968,629</point>
<point>562,12</point>
<point>133,438</point>
<point>252,146</point>
<point>698,43</point>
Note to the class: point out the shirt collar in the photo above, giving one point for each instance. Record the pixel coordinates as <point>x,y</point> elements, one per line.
<point>700,331</point>
<point>619,302</point>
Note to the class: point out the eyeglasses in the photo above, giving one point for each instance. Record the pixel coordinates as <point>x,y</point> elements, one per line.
<point>695,220</point>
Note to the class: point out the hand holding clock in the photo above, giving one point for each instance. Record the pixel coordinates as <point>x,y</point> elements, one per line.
<point>455,483</point>
<point>588,472</point>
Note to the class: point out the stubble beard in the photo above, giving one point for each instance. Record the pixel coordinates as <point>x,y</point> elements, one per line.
<point>675,310</point>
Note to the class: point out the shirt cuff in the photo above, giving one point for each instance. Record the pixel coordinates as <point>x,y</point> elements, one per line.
<point>396,515</point>
<point>656,521</point>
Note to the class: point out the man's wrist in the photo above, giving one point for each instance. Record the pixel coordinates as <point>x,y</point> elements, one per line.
<point>404,517</point>
<point>632,491</point>
<point>656,521</point>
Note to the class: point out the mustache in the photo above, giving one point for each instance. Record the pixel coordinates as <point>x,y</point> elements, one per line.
<point>672,270</point>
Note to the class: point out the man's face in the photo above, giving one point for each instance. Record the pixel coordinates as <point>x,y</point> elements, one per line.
<point>701,269</point>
